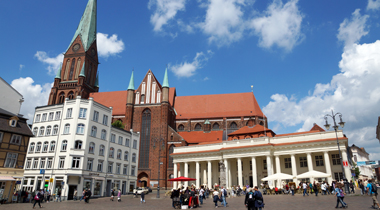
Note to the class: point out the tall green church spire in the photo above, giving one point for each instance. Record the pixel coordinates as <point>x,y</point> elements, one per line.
<point>166,80</point>
<point>82,71</point>
<point>87,26</point>
<point>131,85</point>
<point>58,76</point>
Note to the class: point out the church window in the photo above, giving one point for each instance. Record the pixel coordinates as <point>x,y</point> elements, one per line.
<point>72,69</point>
<point>198,127</point>
<point>233,125</point>
<point>261,123</point>
<point>89,74</point>
<point>171,149</point>
<point>215,126</point>
<point>145,139</point>
<point>67,70</point>
<point>181,128</point>
<point>61,98</point>
<point>77,69</point>
<point>70,95</point>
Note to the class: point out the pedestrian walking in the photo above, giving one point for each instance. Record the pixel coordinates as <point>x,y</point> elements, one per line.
<point>340,197</point>
<point>201,195</point>
<point>315,188</point>
<point>249,200</point>
<point>112,194</point>
<point>84,191</point>
<point>216,197</point>
<point>59,195</point>
<point>142,197</point>
<point>361,186</point>
<point>37,199</point>
<point>304,186</point>
<point>372,191</point>
<point>48,192</point>
<point>119,196</point>
<point>259,200</point>
<point>87,196</point>
<point>75,194</point>
<point>352,186</point>
<point>292,189</point>
<point>224,194</point>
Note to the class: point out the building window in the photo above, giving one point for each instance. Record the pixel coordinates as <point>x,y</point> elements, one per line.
<point>82,112</point>
<point>38,117</point>
<point>44,116</point>
<point>125,170</point>
<point>93,131</point>
<point>78,144</point>
<point>145,139</point>
<point>69,113</point>
<point>335,160</point>
<point>58,115</point>
<point>64,146</point>
<point>111,155</point>
<point>134,144</point>
<point>181,128</point>
<point>117,168</point>
<point>303,162</point>
<point>105,120</point>
<point>89,164</point>
<point>319,160</point>
<point>35,163</point>
<point>113,137</point>
<point>31,148</point>
<point>28,163</point>
<point>38,147</point>
<point>215,126</point>
<point>134,157</point>
<point>42,163</point>
<point>61,163</point>
<point>101,150</point>
<point>35,131</point>
<point>61,98</point>
<point>126,142</point>
<point>91,148</point>
<point>265,164</point>
<point>355,158</point>
<point>100,166</point>
<point>120,140</point>
<point>51,116</point>
<point>338,176</point>
<point>11,160</point>
<point>13,123</point>
<point>52,146</point>
<point>103,134</point>
<point>288,163</point>
<point>48,130</point>
<point>16,139</point>
<point>198,127</point>
<point>126,156</point>
<point>233,125</point>
<point>171,149</point>
<point>80,129</point>
<point>75,163</point>
<point>42,131</point>
<point>118,154</point>
<point>110,165</point>
<point>45,147</point>
<point>133,170</point>
<point>49,163</point>
<point>55,130</point>
<point>96,116</point>
<point>66,130</point>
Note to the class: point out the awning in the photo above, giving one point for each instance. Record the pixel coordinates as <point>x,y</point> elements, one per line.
<point>313,174</point>
<point>277,176</point>
<point>7,178</point>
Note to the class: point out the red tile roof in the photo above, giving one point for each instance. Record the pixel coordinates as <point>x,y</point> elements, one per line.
<point>195,137</point>
<point>248,130</point>
<point>316,128</point>
<point>116,99</point>
<point>216,106</point>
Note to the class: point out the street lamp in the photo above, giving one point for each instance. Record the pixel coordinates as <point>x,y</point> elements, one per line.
<point>335,126</point>
<point>159,141</point>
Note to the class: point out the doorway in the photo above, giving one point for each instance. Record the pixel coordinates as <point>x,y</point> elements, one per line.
<point>108,188</point>
<point>123,187</point>
<point>72,188</point>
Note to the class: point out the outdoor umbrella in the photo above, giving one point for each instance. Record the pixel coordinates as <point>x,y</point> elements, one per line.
<point>312,174</point>
<point>182,179</point>
<point>277,176</point>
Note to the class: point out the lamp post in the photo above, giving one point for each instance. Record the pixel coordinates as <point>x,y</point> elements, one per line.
<point>159,141</point>
<point>341,124</point>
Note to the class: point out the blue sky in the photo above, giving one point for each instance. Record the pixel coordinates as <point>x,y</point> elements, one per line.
<point>303,58</point>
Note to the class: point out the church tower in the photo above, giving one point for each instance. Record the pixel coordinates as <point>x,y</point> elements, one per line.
<point>78,75</point>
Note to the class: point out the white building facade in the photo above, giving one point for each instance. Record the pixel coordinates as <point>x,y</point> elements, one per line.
<point>247,161</point>
<point>77,148</point>
<point>360,155</point>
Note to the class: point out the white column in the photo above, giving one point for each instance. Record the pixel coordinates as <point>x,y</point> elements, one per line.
<point>310,165</point>
<point>278,169</point>
<point>240,173</point>
<point>254,172</point>
<point>204,176</point>
<point>328,166</point>
<point>226,171</point>
<point>229,173</point>
<point>209,184</point>
<point>197,174</point>
<point>347,170</point>
<point>186,173</point>
<point>294,168</point>
<point>175,175</point>
<point>269,169</point>
<point>180,173</point>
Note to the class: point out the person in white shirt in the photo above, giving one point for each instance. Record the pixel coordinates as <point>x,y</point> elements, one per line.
<point>216,197</point>
<point>201,195</point>
<point>304,186</point>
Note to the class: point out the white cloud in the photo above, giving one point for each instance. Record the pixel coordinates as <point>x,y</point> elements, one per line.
<point>165,11</point>
<point>21,67</point>
<point>224,21</point>
<point>108,46</point>
<point>34,95</point>
<point>350,31</point>
<point>53,62</point>
<point>355,92</point>
<point>205,79</point>
<point>281,25</point>
<point>373,4</point>
<point>186,69</point>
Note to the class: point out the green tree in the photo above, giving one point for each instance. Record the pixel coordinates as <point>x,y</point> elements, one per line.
<point>118,124</point>
<point>357,170</point>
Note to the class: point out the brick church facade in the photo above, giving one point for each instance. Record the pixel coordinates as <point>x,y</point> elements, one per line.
<point>163,119</point>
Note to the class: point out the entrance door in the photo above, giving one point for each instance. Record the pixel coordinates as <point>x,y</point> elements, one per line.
<point>250,181</point>
<point>123,187</point>
<point>108,193</point>
<point>70,196</point>
<point>143,183</point>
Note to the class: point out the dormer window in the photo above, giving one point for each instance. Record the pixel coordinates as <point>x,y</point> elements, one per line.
<point>13,123</point>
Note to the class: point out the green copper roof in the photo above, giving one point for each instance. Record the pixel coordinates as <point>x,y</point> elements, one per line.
<point>97,81</point>
<point>87,26</point>
<point>166,80</point>
<point>58,76</point>
<point>82,71</point>
<point>207,122</point>
<point>131,85</point>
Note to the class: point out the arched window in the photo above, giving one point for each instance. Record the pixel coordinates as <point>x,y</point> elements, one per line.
<point>77,70</point>
<point>93,131</point>
<point>48,130</point>
<point>78,144</point>
<point>119,154</point>
<point>66,130</point>
<point>52,146</point>
<point>67,70</point>
<point>31,148</point>
<point>72,69</point>
<point>91,148</point>
<point>126,156</point>
<point>64,146</point>
<point>112,151</point>
<point>145,139</point>
<point>89,74</point>
<point>42,131</point>
<point>181,128</point>
<point>38,147</point>
<point>55,130</point>
<point>45,147</point>
<point>103,134</point>
<point>262,123</point>
<point>101,150</point>
<point>61,98</point>
<point>198,127</point>
<point>171,149</point>
<point>80,128</point>
<point>35,131</point>
<point>233,125</point>
<point>134,157</point>
<point>215,126</point>
<point>70,95</point>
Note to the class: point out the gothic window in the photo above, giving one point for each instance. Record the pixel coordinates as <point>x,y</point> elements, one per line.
<point>171,149</point>
<point>181,128</point>
<point>233,125</point>
<point>72,69</point>
<point>261,123</point>
<point>145,139</point>
<point>70,95</point>
<point>61,98</point>
<point>198,127</point>
<point>215,126</point>
<point>77,69</point>
<point>67,70</point>
<point>89,74</point>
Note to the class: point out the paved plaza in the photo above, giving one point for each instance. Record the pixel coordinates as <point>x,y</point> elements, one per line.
<point>271,201</point>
